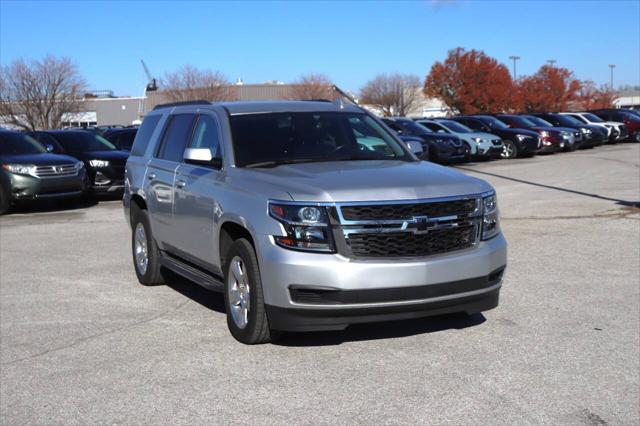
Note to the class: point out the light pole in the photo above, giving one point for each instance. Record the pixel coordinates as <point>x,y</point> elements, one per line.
<point>551,62</point>
<point>612,66</point>
<point>514,59</point>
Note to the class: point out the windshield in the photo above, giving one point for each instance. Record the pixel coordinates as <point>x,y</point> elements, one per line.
<point>519,121</point>
<point>78,142</point>
<point>296,137</point>
<point>494,123</point>
<point>593,118</point>
<point>16,144</point>
<point>456,127</point>
<point>567,120</point>
<point>538,121</point>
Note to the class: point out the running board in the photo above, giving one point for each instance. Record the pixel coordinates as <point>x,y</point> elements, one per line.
<point>191,273</point>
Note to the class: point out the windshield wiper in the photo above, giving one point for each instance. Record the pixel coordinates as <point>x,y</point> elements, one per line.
<point>276,163</point>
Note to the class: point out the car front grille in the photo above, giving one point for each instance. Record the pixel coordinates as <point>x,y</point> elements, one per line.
<point>418,229</point>
<point>403,244</point>
<point>377,212</point>
<point>56,170</point>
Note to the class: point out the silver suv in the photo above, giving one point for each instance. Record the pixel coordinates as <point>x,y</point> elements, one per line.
<point>307,216</point>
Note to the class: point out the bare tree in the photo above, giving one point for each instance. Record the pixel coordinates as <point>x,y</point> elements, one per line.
<point>312,86</point>
<point>190,83</point>
<point>394,94</point>
<point>38,95</point>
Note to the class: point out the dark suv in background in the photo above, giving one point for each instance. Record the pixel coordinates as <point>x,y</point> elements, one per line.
<point>442,148</point>
<point>103,160</point>
<point>122,138</point>
<point>29,172</point>
<point>591,135</point>
<point>517,142</point>
<point>552,139</point>
<point>630,118</point>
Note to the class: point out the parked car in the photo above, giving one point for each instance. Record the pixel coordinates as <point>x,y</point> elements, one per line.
<point>553,140</point>
<point>477,144</point>
<point>122,138</point>
<point>517,142</point>
<point>408,140</point>
<point>104,162</point>
<point>283,207</point>
<point>572,142</point>
<point>591,135</point>
<point>630,118</point>
<point>29,172</point>
<point>442,149</point>
<point>616,131</point>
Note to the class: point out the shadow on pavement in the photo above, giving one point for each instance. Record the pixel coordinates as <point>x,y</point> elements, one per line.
<point>207,298</point>
<point>383,330</point>
<point>557,188</point>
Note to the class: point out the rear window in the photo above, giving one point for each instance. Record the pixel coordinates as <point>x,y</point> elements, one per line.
<point>143,137</point>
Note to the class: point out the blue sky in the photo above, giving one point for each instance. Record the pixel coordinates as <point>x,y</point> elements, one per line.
<point>349,41</point>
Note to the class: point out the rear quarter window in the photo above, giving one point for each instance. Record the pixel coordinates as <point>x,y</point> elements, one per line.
<point>143,137</point>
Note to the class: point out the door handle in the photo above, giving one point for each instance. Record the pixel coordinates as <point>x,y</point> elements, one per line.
<point>151,176</point>
<point>181,184</point>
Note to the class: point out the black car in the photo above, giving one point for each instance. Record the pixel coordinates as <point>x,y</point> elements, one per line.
<point>29,172</point>
<point>104,161</point>
<point>121,137</point>
<point>630,118</point>
<point>517,142</point>
<point>442,148</point>
<point>591,135</point>
<point>553,139</point>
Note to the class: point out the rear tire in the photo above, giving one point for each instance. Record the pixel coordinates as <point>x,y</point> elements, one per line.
<point>243,296</point>
<point>5,203</point>
<point>144,250</point>
<point>510,150</point>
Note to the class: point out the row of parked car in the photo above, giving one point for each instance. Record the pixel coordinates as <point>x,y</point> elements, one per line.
<point>466,137</point>
<point>73,163</point>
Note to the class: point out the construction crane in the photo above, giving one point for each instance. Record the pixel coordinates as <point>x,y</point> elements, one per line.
<point>151,85</point>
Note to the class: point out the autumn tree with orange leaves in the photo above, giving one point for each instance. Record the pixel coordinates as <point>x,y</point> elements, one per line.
<point>549,89</point>
<point>471,82</point>
<point>591,96</point>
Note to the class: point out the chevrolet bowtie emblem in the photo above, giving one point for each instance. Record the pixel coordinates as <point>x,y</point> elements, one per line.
<point>419,225</point>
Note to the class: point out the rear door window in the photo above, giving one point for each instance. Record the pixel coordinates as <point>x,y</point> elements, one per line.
<point>143,137</point>
<point>176,137</point>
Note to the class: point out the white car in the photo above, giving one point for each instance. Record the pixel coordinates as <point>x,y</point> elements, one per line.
<point>616,131</point>
<point>477,144</point>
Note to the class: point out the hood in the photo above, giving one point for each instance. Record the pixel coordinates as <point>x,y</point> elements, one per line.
<point>364,181</point>
<point>115,156</point>
<point>517,131</point>
<point>565,129</point>
<point>37,159</point>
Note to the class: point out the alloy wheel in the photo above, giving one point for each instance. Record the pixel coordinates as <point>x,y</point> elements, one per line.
<point>238,292</point>
<point>140,249</point>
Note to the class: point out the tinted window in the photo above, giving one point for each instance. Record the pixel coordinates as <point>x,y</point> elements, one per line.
<point>77,142</point>
<point>593,118</point>
<point>473,124</point>
<point>176,136</point>
<point>143,136</point>
<point>206,135</point>
<point>125,139</point>
<point>431,126</point>
<point>16,143</point>
<point>456,127</point>
<point>265,139</point>
<point>46,139</point>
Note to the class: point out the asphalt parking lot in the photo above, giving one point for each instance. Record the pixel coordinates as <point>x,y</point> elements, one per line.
<point>83,343</point>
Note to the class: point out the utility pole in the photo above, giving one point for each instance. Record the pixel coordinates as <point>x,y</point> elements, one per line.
<point>612,66</point>
<point>551,62</point>
<point>514,59</point>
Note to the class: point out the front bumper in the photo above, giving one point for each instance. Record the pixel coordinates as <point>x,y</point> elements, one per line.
<point>490,151</point>
<point>26,187</point>
<point>376,290</point>
<point>447,153</point>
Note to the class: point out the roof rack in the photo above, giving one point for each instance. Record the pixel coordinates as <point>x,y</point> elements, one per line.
<point>175,104</point>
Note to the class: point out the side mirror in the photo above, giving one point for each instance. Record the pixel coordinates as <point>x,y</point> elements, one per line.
<point>48,147</point>
<point>416,148</point>
<point>202,157</point>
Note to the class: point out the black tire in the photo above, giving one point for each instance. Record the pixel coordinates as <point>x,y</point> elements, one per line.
<point>467,152</point>
<point>5,203</point>
<point>256,330</point>
<point>152,275</point>
<point>510,150</point>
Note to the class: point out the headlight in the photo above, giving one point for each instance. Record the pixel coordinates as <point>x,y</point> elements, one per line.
<point>544,134</point>
<point>490,217</point>
<point>20,169</point>
<point>477,140</point>
<point>307,227</point>
<point>585,130</point>
<point>98,163</point>
<point>79,165</point>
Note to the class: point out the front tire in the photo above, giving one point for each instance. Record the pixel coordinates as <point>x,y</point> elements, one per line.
<point>5,203</point>
<point>243,295</point>
<point>510,150</point>
<point>145,252</point>
<point>467,152</point>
